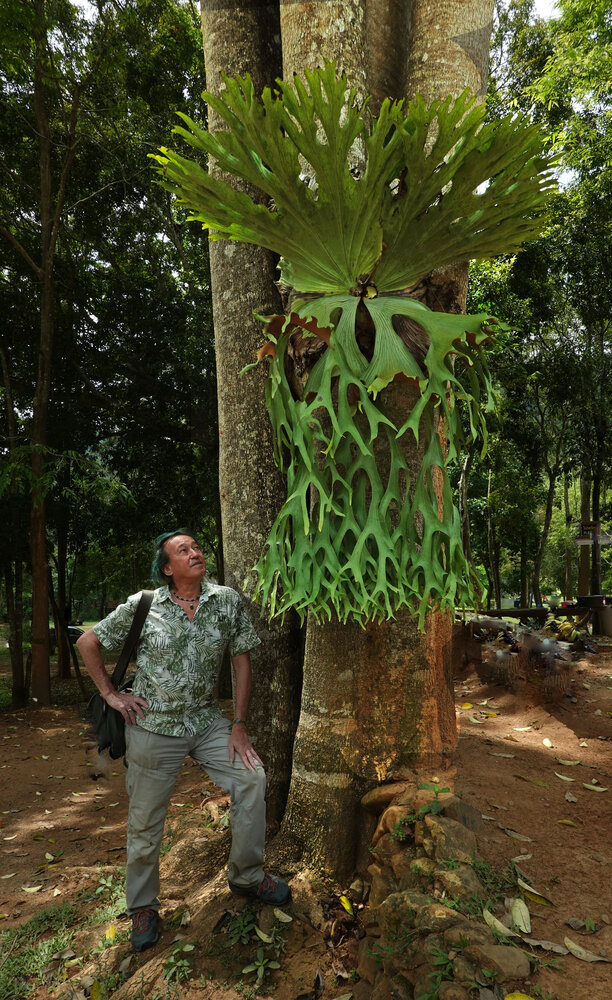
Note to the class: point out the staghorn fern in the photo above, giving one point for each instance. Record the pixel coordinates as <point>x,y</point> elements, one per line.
<point>437,186</point>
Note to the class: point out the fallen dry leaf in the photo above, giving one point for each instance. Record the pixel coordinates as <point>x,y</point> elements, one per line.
<point>533,894</point>
<point>582,953</point>
<point>496,925</point>
<point>547,946</point>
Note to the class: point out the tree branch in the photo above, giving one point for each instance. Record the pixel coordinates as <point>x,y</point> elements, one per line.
<point>8,235</point>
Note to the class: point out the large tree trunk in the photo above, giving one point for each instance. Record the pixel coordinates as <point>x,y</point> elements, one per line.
<point>241,40</point>
<point>378,698</point>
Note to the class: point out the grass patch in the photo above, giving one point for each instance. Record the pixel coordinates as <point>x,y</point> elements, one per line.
<point>25,953</point>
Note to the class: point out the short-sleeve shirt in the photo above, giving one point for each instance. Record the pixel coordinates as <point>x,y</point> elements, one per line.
<point>178,661</point>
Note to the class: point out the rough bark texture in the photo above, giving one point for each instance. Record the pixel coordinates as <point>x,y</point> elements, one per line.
<point>584,565</point>
<point>241,40</point>
<point>377,698</point>
<point>314,32</point>
<point>449,47</point>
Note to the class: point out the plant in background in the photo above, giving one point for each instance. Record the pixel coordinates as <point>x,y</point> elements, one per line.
<point>360,209</point>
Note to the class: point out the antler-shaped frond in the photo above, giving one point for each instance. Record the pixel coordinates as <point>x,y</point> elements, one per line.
<point>340,199</point>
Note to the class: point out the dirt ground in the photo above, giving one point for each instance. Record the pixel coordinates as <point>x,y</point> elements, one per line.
<point>523,762</point>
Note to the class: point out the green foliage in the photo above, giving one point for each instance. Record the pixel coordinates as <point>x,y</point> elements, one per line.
<point>261,965</point>
<point>25,954</point>
<point>443,972</point>
<point>386,201</point>
<point>178,966</point>
<point>241,927</point>
<point>418,201</point>
<point>351,537</point>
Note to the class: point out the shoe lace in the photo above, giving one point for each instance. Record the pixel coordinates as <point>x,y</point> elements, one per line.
<point>267,884</point>
<point>142,920</point>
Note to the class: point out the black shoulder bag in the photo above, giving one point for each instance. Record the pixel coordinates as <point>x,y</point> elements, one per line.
<point>108,723</point>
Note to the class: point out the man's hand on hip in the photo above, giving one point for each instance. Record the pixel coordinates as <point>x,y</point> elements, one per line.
<point>128,704</point>
<point>239,743</point>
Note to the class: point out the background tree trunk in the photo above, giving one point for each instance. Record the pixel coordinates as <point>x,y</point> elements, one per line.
<point>378,698</point>
<point>585,550</point>
<point>568,590</point>
<point>241,40</point>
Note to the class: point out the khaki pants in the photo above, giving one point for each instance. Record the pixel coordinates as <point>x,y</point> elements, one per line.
<point>154,763</point>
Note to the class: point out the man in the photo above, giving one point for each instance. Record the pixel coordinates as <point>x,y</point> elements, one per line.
<point>172,711</point>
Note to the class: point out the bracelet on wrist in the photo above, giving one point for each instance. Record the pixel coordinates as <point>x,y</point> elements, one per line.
<point>236,721</point>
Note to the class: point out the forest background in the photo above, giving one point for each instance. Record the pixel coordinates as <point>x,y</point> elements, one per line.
<point>109,413</point>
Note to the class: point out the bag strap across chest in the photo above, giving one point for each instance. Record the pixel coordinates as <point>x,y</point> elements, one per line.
<point>133,636</point>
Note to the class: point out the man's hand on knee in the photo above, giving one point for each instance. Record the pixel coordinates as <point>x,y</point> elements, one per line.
<point>239,743</point>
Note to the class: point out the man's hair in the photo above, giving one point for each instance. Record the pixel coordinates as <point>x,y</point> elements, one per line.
<point>161,557</point>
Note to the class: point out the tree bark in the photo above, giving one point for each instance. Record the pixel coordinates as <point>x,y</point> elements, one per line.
<point>354,731</point>
<point>238,40</point>
<point>585,550</point>
<point>41,685</point>
<point>493,549</point>
<point>13,568</point>
<point>568,589</point>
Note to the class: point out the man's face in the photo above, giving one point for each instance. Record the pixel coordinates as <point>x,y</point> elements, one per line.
<point>185,559</point>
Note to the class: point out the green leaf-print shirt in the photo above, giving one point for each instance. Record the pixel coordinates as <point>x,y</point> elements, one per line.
<point>179,660</point>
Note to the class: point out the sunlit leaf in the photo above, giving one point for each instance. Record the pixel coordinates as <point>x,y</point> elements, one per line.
<point>547,742</point>
<point>564,777</point>
<point>533,894</point>
<point>593,788</point>
<point>346,903</point>
<point>520,916</point>
<point>31,888</point>
<point>567,822</point>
